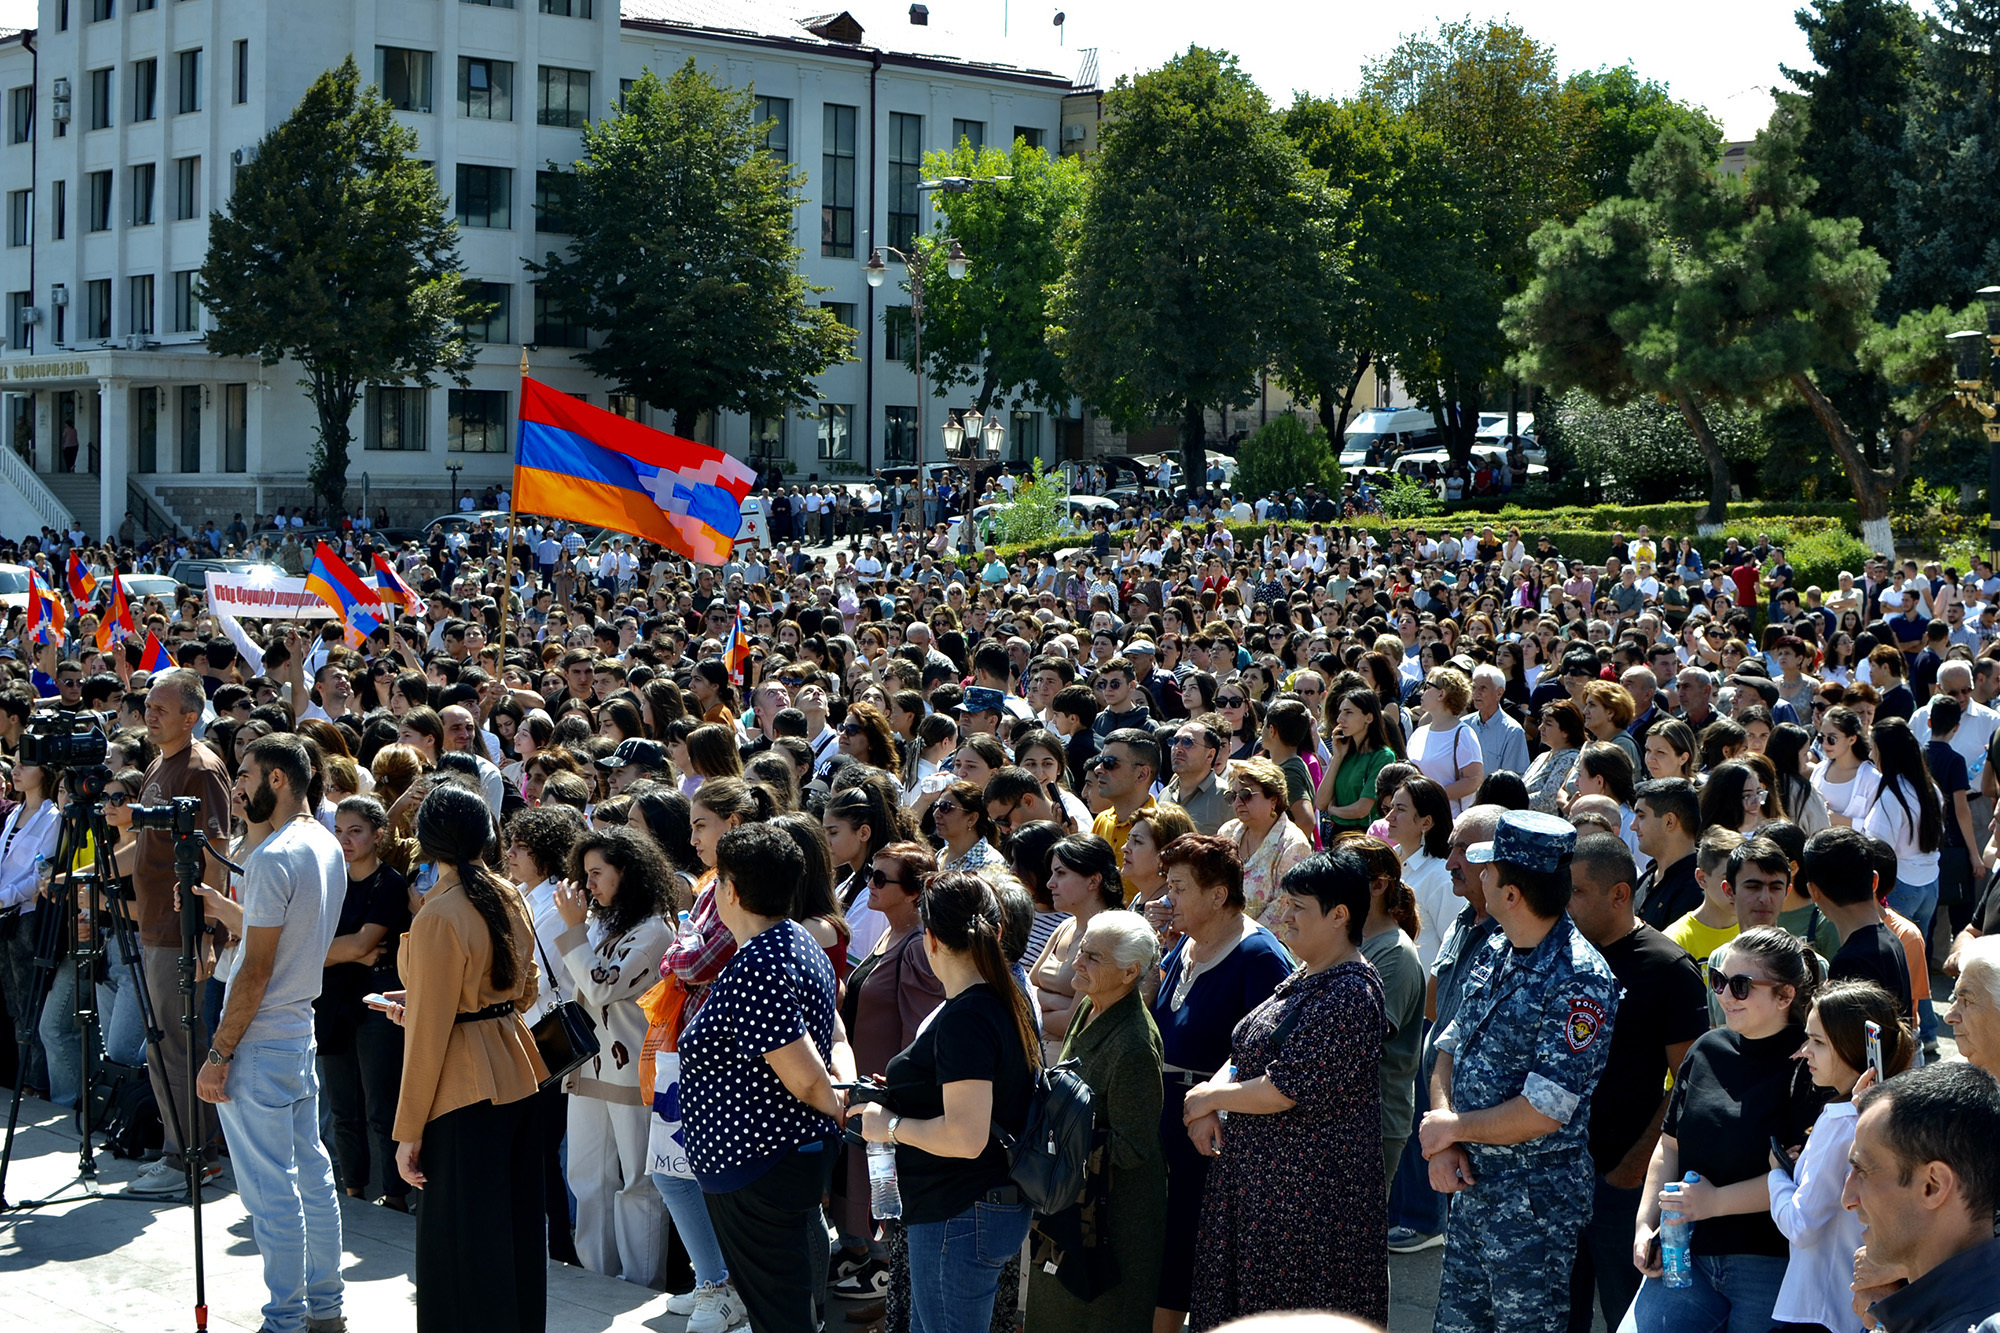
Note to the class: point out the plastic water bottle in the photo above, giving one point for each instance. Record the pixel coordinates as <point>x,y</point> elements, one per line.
<point>1676,1260</point>
<point>885,1196</point>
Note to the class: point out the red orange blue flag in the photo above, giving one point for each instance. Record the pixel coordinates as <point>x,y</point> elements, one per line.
<point>395,590</point>
<point>117,624</point>
<point>587,465</point>
<point>154,658</point>
<point>45,613</point>
<point>341,588</point>
<point>81,583</point>
<point>736,652</point>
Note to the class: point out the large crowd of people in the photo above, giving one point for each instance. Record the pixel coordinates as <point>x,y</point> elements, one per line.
<point>1627,930</point>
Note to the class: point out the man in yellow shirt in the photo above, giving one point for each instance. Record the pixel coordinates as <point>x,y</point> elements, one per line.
<point>1713,924</point>
<point>1126,770</point>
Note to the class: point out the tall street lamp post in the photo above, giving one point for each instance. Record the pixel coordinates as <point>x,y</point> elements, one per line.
<point>918,262</point>
<point>1976,368</point>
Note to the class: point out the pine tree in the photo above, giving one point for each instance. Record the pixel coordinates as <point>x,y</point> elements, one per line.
<point>1944,235</point>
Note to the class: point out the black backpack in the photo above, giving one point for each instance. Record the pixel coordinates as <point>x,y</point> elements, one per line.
<point>1049,1160</point>
<point>123,1109</point>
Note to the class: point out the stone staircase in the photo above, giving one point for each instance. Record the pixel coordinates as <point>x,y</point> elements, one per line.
<point>79,493</point>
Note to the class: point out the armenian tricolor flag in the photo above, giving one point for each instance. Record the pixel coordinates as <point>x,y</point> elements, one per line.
<point>395,590</point>
<point>587,465</point>
<point>81,583</point>
<point>155,658</point>
<point>736,651</point>
<point>117,624</point>
<point>45,613</point>
<point>341,588</point>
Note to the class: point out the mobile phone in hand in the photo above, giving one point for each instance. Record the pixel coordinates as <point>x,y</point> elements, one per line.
<point>1875,1051</point>
<point>1785,1158</point>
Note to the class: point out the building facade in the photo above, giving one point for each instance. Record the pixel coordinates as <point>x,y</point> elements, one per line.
<point>124,122</point>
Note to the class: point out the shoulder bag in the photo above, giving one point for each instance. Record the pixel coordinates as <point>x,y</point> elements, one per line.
<point>564,1036</point>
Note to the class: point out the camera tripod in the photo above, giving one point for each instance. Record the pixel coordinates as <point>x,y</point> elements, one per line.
<point>84,818</point>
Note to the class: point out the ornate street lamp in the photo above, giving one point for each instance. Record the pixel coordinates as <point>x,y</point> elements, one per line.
<point>1976,371</point>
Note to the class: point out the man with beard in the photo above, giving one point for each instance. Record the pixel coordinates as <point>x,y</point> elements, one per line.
<point>260,1070</point>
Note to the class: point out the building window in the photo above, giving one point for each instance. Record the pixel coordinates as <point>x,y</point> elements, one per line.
<point>20,217</point>
<point>895,333</point>
<point>490,4</point>
<point>554,326</point>
<point>100,99</point>
<point>396,419</point>
<point>776,112</point>
<point>146,426</point>
<point>100,10</point>
<point>187,188</point>
<point>20,333</point>
<point>836,441</point>
<point>1028,136</point>
<point>625,405</point>
<point>842,311</point>
<point>549,187</point>
<point>569,9</point>
<point>62,15</point>
<point>97,201</point>
<point>188,93</point>
<point>906,172</point>
<point>496,326</point>
<point>478,421</point>
<point>485,89</point>
<point>836,182</point>
<point>21,114</point>
<point>145,89</point>
<point>190,427</point>
<point>96,308</point>
<point>485,197</point>
<point>187,311</point>
<point>235,427</point>
<point>968,131</point>
<point>404,77</point>
<point>144,180</point>
<point>562,97</point>
<point>60,310</point>
<point>139,304</point>
<point>899,435</point>
<point>59,210</point>
<point>767,437</point>
<point>239,80</point>
<point>1024,437</point>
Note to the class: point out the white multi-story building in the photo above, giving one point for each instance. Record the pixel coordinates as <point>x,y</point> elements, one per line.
<point>121,125</point>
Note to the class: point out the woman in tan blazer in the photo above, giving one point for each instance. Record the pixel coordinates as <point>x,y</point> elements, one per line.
<point>465,1121</point>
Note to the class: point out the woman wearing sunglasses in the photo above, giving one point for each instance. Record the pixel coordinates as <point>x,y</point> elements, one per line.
<point>1738,1088</point>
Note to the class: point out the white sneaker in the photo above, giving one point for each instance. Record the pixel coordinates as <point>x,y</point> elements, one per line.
<point>715,1309</point>
<point>686,1302</point>
<point>162,1179</point>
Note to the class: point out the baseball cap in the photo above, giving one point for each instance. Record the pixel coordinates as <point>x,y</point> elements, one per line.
<point>982,699</point>
<point>645,753</point>
<point>1529,839</point>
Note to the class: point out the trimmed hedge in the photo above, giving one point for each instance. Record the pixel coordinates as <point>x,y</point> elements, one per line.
<point>1818,546</point>
<point>1664,520</point>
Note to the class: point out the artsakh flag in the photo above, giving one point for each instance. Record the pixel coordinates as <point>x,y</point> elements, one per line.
<point>395,590</point>
<point>81,582</point>
<point>736,651</point>
<point>45,613</point>
<point>155,658</point>
<point>587,465</point>
<point>341,588</point>
<point>117,624</point>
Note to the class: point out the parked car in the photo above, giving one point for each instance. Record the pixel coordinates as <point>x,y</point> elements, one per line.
<point>192,572</point>
<point>13,586</point>
<point>1375,438</point>
<point>138,587</point>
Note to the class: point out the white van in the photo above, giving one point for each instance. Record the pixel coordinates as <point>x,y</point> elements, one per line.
<point>1385,433</point>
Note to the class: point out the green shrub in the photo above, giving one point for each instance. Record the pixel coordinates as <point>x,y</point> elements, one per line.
<point>1040,504</point>
<point>1287,454</point>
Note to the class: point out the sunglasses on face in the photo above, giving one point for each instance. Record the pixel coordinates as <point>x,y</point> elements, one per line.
<point>1238,795</point>
<point>849,729</point>
<point>878,879</point>
<point>1739,985</point>
<point>944,808</point>
<point>1232,702</point>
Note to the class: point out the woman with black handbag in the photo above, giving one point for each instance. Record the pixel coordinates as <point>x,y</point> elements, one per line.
<point>466,1131</point>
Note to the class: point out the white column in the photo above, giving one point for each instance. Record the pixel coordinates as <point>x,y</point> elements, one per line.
<point>114,453</point>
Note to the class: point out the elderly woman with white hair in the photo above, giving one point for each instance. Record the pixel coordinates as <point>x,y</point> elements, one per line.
<point>1117,1048</point>
<point>1975,1002</point>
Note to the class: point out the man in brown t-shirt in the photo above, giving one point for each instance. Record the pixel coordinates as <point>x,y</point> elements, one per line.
<point>186,767</point>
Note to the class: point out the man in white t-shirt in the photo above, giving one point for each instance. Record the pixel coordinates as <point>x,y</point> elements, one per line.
<point>260,1069</point>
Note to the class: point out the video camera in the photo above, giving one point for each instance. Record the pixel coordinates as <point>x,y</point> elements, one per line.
<point>64,740</point>
<point>180,816</point>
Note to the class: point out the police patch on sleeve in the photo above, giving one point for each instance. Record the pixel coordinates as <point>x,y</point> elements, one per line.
<point>1586,1020</point>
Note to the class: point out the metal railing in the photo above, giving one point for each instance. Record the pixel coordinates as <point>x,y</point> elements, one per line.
<point>154,520</point>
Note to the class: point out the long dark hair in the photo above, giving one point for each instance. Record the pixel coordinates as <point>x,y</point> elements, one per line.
<point>646,882</point>
<point>454,826</point>
<point>815,892</point>
<point>1901,760</point>
<point>962,914</point>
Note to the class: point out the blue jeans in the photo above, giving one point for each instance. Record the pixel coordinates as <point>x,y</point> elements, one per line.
<point>1918,903</point>
<point>1731,1293</point>
<point>955,1266</point>
<point>690,1215</point>
<point>1412,1201</point>
<point>62,1037</point>
<point>285,1178</point>
<point>1603,1275</point>
<point>119,1020</point>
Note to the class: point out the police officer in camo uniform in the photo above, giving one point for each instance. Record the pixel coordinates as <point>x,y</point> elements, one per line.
<point>1511,1091</point>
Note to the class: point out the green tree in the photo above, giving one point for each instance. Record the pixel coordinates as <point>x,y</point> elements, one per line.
<point>988,329</point>
<point>680,253</point>
<point>1852,106</point>
<point>335,251</point>
<point>1040,505</point>
<point>1944,233</point>
<point>1182,267</point>
<point>1612,117</point>
<point>1287,454</point>
<point>1643,451</point>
